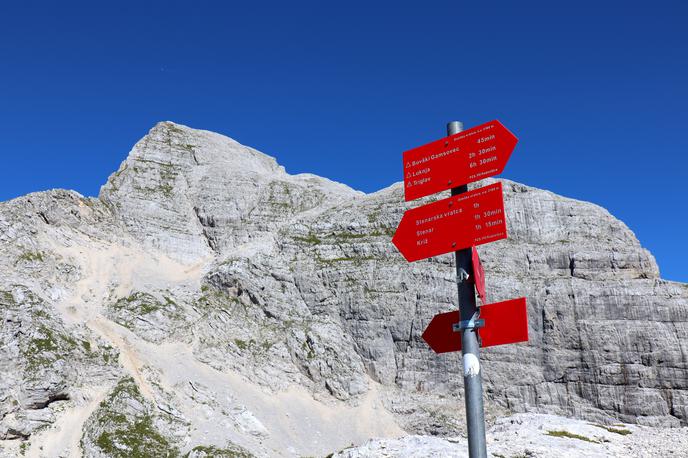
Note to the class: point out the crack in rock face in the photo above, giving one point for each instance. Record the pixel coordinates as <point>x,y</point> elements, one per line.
<point>209,303</point>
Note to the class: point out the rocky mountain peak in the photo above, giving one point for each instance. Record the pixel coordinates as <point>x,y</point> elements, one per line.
<point>192,192</point>
<point>208,300</point>
<point>182,146</point>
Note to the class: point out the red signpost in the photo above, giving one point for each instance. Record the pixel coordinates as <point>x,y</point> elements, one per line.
<point>459,159</point>
<point>458,224</point>
<point>472,218</point>
<point>505,322</point>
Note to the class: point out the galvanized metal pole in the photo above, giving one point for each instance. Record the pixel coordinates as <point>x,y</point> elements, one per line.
<point>472,380</point>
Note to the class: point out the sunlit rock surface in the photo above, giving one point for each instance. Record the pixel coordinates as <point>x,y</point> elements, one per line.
<point>208,302</point>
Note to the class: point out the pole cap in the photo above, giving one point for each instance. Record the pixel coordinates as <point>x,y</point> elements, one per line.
<point>454,127</point>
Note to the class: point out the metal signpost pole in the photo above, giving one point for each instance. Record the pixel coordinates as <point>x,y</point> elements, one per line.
<point>443,226</point>
<point>473,387</point>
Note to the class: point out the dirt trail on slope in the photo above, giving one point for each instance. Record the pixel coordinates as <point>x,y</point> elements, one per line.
<point>108,271</point>
<point>63,438</point>
<point>219,406</point>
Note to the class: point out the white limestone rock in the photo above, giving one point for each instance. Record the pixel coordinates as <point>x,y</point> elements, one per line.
<point>241,300</point>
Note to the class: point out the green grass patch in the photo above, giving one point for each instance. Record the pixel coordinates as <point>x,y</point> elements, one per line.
<point>141,303</point>
<point>371,291</point>
<point>253,345</point>
<point>311,239</point>
<point>124,437</point>
<point>623,432</point>
<point>234,451</point>
<point>32,256</point>
<point>46,348</point>
<point>42,350</point>
<point>563,433</point>
<point>345,259</point>
<point>135,440</point>
<point>126,387</point>
<point>6,298</point>
<point>174,129</point>
<point>38,313</point>
<point>356,260</point>
<point>307,348</point>
<point>46,343</point>
<point>216,300</point>
<point>166,189</point>
<point>348,236</point>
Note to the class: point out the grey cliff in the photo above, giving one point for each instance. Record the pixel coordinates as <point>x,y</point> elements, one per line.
<point>208,303</point>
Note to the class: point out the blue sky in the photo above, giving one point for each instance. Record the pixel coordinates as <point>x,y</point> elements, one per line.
<point>597,92</point>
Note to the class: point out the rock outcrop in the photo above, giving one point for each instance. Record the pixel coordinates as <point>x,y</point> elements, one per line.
<point>211,301</point>
<point>538,436</point>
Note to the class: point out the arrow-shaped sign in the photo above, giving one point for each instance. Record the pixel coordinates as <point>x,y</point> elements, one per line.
<point>505,322</point>
<point>472,218</point>
<point>459,159</point>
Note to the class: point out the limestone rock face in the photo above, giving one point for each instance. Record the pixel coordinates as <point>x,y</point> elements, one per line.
<point>192,194</point>
<point>537,436</point>
<point>212,303</point>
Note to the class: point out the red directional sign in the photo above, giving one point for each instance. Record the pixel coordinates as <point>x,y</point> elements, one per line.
<point>472,218</point>
<point>459,159</point>
<point>505,322</point>
<point>478,275</point>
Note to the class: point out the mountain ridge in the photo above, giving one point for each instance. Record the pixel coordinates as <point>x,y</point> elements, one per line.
<point>269,283</point>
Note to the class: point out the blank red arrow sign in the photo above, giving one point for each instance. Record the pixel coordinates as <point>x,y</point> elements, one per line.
<point>459,159</point>
<point>472,218</point>
<point>505,322</point>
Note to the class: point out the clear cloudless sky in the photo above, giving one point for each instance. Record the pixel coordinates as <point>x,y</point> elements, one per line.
<point>596,91</point>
